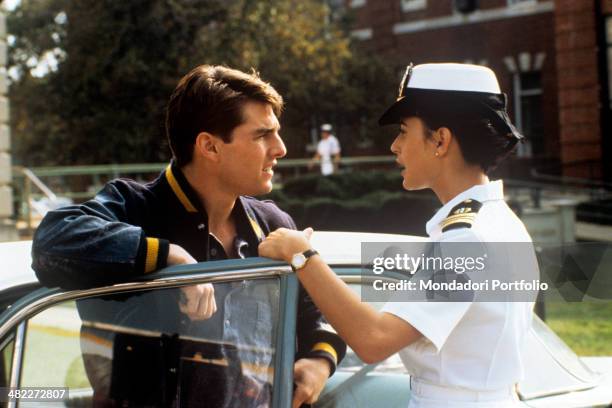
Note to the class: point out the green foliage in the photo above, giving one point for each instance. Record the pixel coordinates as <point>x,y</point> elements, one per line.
<point>360,201</point>
<point>118,61</point>
<point>343,185</point>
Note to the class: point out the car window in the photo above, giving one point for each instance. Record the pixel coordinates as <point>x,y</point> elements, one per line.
<point>138,348</point>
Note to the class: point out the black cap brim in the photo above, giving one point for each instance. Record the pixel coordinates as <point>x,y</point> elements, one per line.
<point>419,102</point>
<point>394,113</point>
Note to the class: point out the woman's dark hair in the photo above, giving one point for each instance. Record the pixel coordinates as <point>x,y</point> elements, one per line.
<point>210,99</point>
<point>480,141</point>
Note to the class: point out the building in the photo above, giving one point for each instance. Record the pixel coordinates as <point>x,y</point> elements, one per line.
<point>7,226</point>
<point>552,57</point>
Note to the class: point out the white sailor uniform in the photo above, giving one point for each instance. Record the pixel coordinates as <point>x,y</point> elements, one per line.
<point>326,148</point>
<point>470,352</point>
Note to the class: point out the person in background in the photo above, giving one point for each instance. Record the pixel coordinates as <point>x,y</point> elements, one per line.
<point>328,151</point>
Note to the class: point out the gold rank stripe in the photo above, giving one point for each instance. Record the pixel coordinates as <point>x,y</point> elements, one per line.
<point>152,252</point>
<point>327,348</point>
<point>467,218</point>
<point>180,194</point>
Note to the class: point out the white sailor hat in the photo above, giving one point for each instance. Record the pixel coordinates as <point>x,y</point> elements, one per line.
<point>326,127</point>
<point>449,89</point>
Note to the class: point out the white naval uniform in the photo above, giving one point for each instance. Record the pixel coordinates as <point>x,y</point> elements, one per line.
<point>326,149</point>
<point>470,352</point>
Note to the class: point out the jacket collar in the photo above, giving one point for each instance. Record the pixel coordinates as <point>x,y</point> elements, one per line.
<point>493,190</point>
<point>185,194</point>
<point>181,188</point>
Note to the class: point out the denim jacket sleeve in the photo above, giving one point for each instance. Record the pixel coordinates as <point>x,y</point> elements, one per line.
<point>99,242</point>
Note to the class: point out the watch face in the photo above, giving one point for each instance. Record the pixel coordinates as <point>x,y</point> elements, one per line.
<point>298,261</point>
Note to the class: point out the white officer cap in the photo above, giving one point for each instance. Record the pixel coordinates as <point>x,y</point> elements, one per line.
<point>326,127</point>
<point>450,89</point>
<point>453,77</point>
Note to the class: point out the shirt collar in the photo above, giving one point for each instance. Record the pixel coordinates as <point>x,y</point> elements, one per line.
<point>493,190</point>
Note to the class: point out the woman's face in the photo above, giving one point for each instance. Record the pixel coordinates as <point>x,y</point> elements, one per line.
<point>415,153</point>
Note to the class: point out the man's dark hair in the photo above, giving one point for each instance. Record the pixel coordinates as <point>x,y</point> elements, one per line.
<point>480,142</point>
<point>210,99</point>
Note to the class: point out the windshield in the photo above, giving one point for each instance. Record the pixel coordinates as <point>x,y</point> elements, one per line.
<point>551,367</point>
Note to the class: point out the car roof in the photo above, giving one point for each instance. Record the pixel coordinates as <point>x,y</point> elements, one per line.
<point>337,248</point>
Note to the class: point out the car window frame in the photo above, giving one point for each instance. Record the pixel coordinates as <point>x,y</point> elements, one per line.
<point>13,321</point>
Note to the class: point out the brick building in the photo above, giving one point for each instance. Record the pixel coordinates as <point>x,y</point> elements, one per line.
<point>551,57</point>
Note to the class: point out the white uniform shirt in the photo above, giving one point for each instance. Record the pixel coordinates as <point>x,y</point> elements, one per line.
<point>473,346</point>
<point>326,149</point>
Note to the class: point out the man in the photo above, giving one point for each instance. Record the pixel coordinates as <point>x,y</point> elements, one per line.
<point>223,130</point>
<point>327,148</point>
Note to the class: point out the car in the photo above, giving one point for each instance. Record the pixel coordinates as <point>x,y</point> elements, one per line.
<point>129,341</point>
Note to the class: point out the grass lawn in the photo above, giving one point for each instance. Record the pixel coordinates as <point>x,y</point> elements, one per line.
<point>585,326</point>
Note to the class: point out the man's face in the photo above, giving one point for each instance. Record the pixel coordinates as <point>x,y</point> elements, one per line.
<point>246,163</point>
<point>325,134</point>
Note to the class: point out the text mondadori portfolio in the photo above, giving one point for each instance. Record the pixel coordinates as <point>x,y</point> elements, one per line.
<point>485,285</point>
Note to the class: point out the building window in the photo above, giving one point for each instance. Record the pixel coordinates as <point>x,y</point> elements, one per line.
<point>362,34</point>
<point>411,5</point>
<point>528,112</point>
<point>519,2</point>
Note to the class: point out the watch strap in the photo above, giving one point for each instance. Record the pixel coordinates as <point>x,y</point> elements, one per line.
<point>310,252</point>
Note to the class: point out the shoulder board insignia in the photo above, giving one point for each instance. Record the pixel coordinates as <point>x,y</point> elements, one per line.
<point>461,216</point>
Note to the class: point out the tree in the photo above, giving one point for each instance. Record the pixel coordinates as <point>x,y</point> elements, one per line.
<point>117,63</point>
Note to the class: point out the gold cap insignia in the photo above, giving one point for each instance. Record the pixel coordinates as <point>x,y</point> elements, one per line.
<point>404,82</point>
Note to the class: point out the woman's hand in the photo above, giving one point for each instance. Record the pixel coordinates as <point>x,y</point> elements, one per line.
<point>283,243</point>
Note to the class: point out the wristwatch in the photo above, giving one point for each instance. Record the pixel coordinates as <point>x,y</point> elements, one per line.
<point>298,261</point>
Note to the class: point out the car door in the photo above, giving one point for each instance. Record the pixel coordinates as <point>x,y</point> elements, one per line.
<point>130,344</point>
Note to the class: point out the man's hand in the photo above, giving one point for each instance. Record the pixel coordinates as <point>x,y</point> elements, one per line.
<point>178,256</point>
<point>197,301</point>
<point>309,375</point>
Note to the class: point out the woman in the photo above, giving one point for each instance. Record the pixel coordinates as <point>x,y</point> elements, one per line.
<point>453,130</point>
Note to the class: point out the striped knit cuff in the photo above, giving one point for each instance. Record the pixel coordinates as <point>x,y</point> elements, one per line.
<point>155,253</point>
<point>327,352</point>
